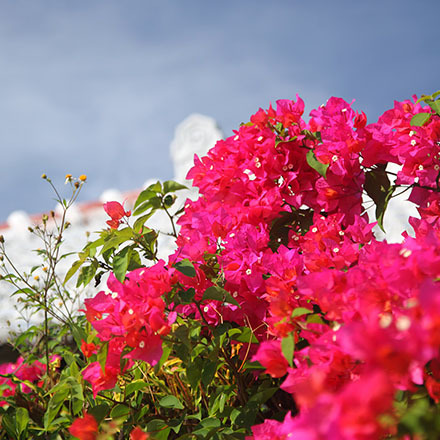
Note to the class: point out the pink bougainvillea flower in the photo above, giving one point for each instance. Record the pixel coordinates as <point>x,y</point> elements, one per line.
<point>84,428</point>
<point>116,211</point>
<point>100,380</point>
<point>270,356</point>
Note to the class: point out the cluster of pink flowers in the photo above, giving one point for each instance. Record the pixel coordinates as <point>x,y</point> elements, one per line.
<point>131,316</point>
<point>23,371</point>
<point>378,303</point>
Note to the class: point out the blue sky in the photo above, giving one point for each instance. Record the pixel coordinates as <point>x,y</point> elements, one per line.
<point>97,87</point>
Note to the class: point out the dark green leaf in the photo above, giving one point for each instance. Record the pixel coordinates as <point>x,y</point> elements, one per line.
<point>219,294</point>
<point>134,261</point>
<point>100,411</point>
<point>78,334</point>
<point>263,395</point>
<point>194,372</point>
<point>170,402</point>
<point>378,187</point>
<point>208,372</point>
<point>318,166</point>
<point>187,296</point>
<point>420,119</point>
<point>159,429</point>
<point>119,411</point>
<point>135,386</point>
<point>380,209</point>
<point>9,425</point>
<point>186,267</point>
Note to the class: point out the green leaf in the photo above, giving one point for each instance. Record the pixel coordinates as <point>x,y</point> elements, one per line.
<point>194,372</point>
<point>77,395</point>
<point>148,193</point>
<point>378,187</point>
<point>99,412</point>
<point>172,186</point>
<point>380,209</point>
<point>139,223</point>
<point>120,263</point>
<point>420,119</point>
<point>318,166</point>
<point>208,372</point>
<point>72,271</point>
<point>264,395</point>
<point>21,420</point>
<point>159,429</point>
<point>435,105</point>
<point>55,404</point>
<point>315,319</point>
<point>242,334</point>
<point>187,296</point>
<point>120,411</point>
<point>78,334</point>
<point>134,386</point>
<point>102,355</point>
<point>115,238</point>
<point>9,425</point>
<point>299,311</point>
<point>170,402</point>
<point>153,203</point>
<point>186,267</point>
<point>219,294</point>
<point>87,273</point>
<point>288,348</point>
<point>94,244</point>
<point>134,261</point>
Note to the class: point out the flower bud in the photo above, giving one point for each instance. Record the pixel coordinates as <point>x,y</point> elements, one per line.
<point>44,176</point>
<point>2,239</point>
<point>83,177</point>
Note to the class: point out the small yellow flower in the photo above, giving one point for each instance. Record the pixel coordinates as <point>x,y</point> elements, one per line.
<point>36,277</point>
<point>83,177</point>
<point>68,176</point>
<point>44,176</point>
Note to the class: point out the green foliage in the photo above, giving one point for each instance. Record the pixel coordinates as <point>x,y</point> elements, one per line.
<point>318,166</point>
<point>378,187</point>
